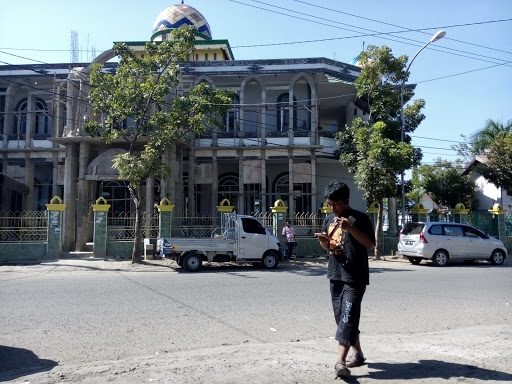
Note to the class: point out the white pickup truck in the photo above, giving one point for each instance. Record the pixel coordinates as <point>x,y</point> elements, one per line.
<point>241,239</point>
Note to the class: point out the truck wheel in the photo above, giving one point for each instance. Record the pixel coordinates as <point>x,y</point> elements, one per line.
<point>270,260</point>
<point>193,262</point>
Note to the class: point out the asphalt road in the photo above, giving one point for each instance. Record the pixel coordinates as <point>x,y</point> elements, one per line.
<point>69,315</point>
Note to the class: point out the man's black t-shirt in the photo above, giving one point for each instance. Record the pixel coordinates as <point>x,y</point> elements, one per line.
<point>350,261</point>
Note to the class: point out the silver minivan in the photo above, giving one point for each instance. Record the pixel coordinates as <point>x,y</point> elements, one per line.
<point>444,241</point>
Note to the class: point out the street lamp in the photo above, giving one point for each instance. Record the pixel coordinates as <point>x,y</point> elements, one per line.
<point>437,36</point>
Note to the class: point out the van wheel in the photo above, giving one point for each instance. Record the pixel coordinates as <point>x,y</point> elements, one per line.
<point>193,262</point>
<point>270,260</point>
<point>497,257</point>
<point>414,260</point>
<point>440,258</point>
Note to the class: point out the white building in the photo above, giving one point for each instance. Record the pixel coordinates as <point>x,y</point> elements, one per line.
<point>278,143</point>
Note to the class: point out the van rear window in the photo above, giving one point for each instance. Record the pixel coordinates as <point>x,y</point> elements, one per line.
<point>413,228</point>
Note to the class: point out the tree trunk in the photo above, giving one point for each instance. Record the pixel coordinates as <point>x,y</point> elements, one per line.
<point>378,231</point>
<point>137,240</point>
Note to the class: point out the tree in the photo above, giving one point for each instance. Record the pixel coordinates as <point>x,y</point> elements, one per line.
<point>135,105</point>
<point>443,182</point>
<point>372,149</point>
<point>481,140</point>
<point>498,167</point>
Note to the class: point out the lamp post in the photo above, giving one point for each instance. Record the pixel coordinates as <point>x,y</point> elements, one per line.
<point>437,36</point>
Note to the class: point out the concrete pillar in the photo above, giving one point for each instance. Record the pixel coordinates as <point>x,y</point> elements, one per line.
<point>29,181</point>
<point>241,201</point>
<point>215,181</point>
<point>419,212</point>
<point>498,219</point>
<point>263,164</point>
<point>314,189</point>
<point>31,120</point>
<point>165,209</point>
<point>223,209</point>
<point>54,229</point>
<point>191,206</point>
<point>82,208</point>
<point>291,201</point>
<point>70,197</point>
<point>100,209</point>
<point>5,192</point>
<point>279,217</point>
<point>460,214</point>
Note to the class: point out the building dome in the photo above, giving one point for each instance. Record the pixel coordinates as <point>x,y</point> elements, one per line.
<point>179,15</point>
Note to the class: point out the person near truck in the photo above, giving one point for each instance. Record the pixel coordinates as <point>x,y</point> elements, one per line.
<point>289,237</point>
<point>348,235</point>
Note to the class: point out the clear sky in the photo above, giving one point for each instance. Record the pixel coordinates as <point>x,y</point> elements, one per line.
<point>465,78</point>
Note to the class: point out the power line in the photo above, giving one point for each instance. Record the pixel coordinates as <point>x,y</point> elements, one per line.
<point>406,29</point>
<point>376,33</point>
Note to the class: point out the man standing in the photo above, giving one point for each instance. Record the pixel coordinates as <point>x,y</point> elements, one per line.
<point>289,237</point>
<point>348,235</point>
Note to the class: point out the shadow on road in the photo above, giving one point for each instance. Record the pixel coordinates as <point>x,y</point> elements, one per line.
<point>19,362</point>
<point>429,369</point>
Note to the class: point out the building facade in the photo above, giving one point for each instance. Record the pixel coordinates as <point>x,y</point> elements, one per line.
<point>278,142</point>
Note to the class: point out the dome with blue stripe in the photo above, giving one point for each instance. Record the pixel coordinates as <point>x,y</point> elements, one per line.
<point>180,15</point>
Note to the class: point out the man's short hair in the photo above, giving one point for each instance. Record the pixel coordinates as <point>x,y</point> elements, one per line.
<point>336,191</point>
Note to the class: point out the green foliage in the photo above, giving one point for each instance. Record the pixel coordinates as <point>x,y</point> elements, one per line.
<point>498,168</point>
<point>376,160</point>
<point>443,182</point>
<point>482,140</point>
<point>373,151</point>
<point>136,103</point>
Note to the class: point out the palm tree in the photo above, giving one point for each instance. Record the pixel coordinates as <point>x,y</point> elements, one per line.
<point>492,130</point>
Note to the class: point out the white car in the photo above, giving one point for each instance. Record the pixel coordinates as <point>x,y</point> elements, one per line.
<point>444,241</point>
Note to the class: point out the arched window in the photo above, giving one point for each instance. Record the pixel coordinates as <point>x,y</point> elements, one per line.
<point>233,116</point>
<point>41,118</point>
<point>301,193</point>
<point>228,188</point>
<point>117,195</point>
<point>283,112</point>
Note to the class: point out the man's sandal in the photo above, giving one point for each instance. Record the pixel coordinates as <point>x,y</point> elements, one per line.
<point>355,360</point>
<point>341,370</point>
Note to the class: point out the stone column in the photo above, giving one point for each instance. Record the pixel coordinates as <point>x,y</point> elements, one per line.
<point>100,209</point>
<point>279,218</point>
<point>55,211</point>
<point>165,223</point>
